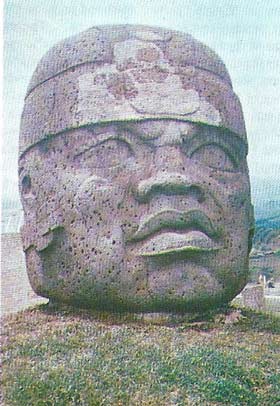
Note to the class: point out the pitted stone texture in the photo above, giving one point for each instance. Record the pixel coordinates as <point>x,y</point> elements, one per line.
<point>97,44</point>
<point>121,73</point>
<point>141,216</point>
<point>136,194</point>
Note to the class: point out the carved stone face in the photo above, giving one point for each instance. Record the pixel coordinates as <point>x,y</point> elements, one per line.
<point>133,173</point>
<point>147,215</point>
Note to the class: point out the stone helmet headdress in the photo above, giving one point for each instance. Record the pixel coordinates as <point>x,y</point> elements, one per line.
<point>127,72</point>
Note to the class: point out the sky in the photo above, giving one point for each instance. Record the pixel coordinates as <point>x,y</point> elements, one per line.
<point>245,34</point>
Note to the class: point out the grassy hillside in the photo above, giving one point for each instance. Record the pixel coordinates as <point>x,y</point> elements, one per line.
<point>265,256</point>
<point>60,358</point>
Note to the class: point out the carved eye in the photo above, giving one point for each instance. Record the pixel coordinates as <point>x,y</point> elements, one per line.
<point>214,156</point>
<point>107,154</point>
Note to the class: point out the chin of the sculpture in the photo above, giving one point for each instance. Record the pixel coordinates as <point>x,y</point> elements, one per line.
<point>180,288</point>
<point>112,301</point>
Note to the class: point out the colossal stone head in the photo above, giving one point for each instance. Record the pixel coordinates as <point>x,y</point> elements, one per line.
<point>133,173</point>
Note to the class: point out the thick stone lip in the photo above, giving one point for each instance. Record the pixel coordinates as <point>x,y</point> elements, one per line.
<point>187,249</point>
<point>190,243</point>
<point>176,220</point>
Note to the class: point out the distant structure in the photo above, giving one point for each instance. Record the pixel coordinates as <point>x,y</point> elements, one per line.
<point>16,292</point>
<point>11,221</point>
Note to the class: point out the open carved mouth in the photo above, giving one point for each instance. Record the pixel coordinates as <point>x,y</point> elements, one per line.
<point>171,231</point>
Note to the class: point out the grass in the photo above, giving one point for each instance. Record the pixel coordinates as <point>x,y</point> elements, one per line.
<point>61,357</point>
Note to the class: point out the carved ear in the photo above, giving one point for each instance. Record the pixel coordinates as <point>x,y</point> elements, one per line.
<point>35,270</point>
<point>41,240</point>
<point>251,227</point>
<point>48,237</point>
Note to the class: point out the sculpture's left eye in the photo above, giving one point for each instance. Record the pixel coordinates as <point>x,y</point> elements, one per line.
<point>214,156</point>
<point>107,154</point>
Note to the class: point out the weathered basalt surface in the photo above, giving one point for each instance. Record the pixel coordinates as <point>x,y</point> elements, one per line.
<point>133,173</point>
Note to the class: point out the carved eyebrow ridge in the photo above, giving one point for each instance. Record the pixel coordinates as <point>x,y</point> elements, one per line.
<point>234,147</point>
<point>226,150</point>
<point>103,141</point>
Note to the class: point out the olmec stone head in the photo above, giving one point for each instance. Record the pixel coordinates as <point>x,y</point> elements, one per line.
<point>133,173</point>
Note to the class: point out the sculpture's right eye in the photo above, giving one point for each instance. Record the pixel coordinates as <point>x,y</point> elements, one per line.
<point>215,157</point>
<point>107,154</point>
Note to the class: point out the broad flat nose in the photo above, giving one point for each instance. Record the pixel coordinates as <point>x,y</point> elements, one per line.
<point>168,183</point>
<point>172,172</point>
